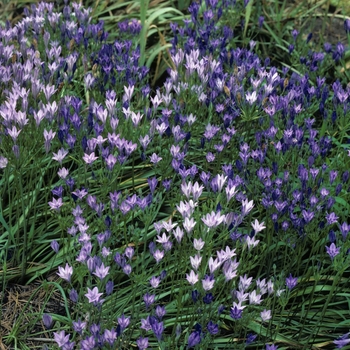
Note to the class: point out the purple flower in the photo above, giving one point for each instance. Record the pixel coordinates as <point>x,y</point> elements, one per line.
<point>142,343</point>
<point>61,338</point>
<point>342,341</point>
<point>332,250</point>
<point>194,339</point>
<point>154,281</point>
<point>55,246</point>
<point>110,336</point>
<point>246,207</point>
<point>261,21</point>
<point>149,299</point>
<point>195,261</point>
<point>160,311</point>
<point>331,218</point>
<point>123,322</point>
<point>291,281</point>
<point>89,158</point>
<point>192,278</point>
<point>3,162</point>
<point>208,282</point>
<point>94,296</point>
<point>214,264</point>
<point>344,229</point>
<point>265,315</point>
<point>295,33</point>
<point>56,204</point>
<point>250,338</point>
<point>213,219</point>
<point>255,299</point>
<point>47,320</point>
<point>65,273</point>
<point>236,312</point>
<point>155,159</point>
<point>230,269</point>
<point>79,326</point>
<point>157,327</point>
<point>109,287</point>
<point>127,269</point>
<point>60,155</point>
<point>158,255</point>
<point>271,347</point>
<point>198,244</point>
<point>213,328</point>
<point>308,215</point>
<point>48,135</point>
<point>101,271</point>
<point>73,295</point>
<point>189,224</point>
<point>14,133</point>
<point>258,226</point>
<point>347,26</point>
<point>88,343</point>
<point>110,161</point>
<point>152,183</point>
<point>244,282</point>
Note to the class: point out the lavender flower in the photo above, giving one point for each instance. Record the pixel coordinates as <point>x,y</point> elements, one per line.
<point>291,281</point>
<point>271,347</point>
<point>195,261</point>
<point>47,320</point>
<point>55,246</point>
<point>79,326</point>
<point>331,218</point>
<point>194,339</point>
<point>213,328</point>
<point>198,244</point>
<point>142,343</point>
<point>149,299</point>
<point>65,273</point>
<point>208,282</point>
<point>236,311</point>
<point>246,207</point>
<point>332,251</point>
<point>110,336</point>
<point>94,296</point>
<point>101,271</point>
<point>265,315</point>
<point>258,226</point>
<point>158,255</point>
<point>73,295</point>
<point>157,328</point>
<point>192,278</point>
<point>60,155</point>
<point>89,158</point>
<point>3,162</point>
<point>56,204</point>
<point>342,341</point>
<point>61,338</point>
<point>213,219</point>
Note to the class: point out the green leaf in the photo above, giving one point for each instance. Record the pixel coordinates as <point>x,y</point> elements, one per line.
<point>248,12</point>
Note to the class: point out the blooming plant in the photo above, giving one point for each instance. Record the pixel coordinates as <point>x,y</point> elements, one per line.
<point>209,213</point>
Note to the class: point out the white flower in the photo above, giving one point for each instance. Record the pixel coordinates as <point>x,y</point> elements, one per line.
<point>192,278</point>
<point>265,315</point>
<point>247,206</point>
<point>258,227</point>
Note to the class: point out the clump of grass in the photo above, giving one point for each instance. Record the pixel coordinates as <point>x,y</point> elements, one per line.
<point>209,213</point>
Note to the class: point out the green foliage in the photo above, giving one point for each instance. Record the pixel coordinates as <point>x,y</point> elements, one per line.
<point>308,315</point>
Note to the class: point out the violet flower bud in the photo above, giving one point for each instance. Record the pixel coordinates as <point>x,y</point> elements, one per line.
<point>47,320</point>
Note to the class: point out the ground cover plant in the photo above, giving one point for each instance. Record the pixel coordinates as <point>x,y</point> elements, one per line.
<point>208,212</point>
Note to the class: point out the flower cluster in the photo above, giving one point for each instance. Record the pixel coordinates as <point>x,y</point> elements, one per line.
<point>182,210</point>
